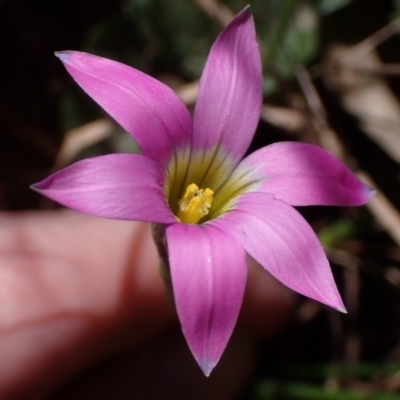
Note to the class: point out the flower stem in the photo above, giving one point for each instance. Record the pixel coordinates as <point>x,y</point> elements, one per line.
<point>158,232</point>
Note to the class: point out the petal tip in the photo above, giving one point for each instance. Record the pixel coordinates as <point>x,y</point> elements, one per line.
<point>41,186</point>
<point>334,301</point>
<point>206,366</point>
<point>368,193</point>
<point>246,11</point>
<point>36,187</point>
<point>341,309</point>
<point>63,55</point>
<point>243,15</point>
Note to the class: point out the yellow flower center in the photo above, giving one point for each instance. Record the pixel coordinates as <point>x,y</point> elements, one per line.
<point>195,204</point>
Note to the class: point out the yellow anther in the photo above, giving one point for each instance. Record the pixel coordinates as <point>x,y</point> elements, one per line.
<point>195,204</point>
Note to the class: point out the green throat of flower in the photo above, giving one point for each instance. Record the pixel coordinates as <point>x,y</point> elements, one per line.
<point>203,186</point>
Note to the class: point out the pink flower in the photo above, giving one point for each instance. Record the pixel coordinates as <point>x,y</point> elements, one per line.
<point>191,178</point>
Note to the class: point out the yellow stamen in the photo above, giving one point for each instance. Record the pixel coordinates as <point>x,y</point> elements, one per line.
<point>195,204</point>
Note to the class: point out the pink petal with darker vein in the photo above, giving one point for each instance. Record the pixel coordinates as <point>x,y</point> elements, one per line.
<point>208,271</point>
<point>230,95</point>
<point>278,238</point>
<point>150,111</point>
<point>302,174</point>
<point>121,186</point>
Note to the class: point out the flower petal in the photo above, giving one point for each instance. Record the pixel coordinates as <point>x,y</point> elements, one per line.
<point>146,108</point>
<point>230,95</point>
<point>208,271</point>
<point>279,239</point>
<point>121,186</point>
<point>302,174</point>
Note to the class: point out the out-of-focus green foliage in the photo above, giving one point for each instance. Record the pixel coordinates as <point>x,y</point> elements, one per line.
<point>156,35</point>
<point>343,229</point>
<point>299,391</point>
<point>292,389</point>
<point>176,35</point>
<point>329,6</point>
<point>396,4</point>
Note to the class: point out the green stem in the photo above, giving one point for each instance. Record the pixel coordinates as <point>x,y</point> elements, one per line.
<point>158,232</point>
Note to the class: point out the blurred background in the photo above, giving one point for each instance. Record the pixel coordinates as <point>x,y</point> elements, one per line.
<point>331,77</point>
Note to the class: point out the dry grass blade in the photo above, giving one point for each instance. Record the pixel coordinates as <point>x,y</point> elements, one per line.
<point>81,138</point>
<point>383,210</point>
<point>365,95</point>
<point>286,118</point>
<point>216,11</point>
